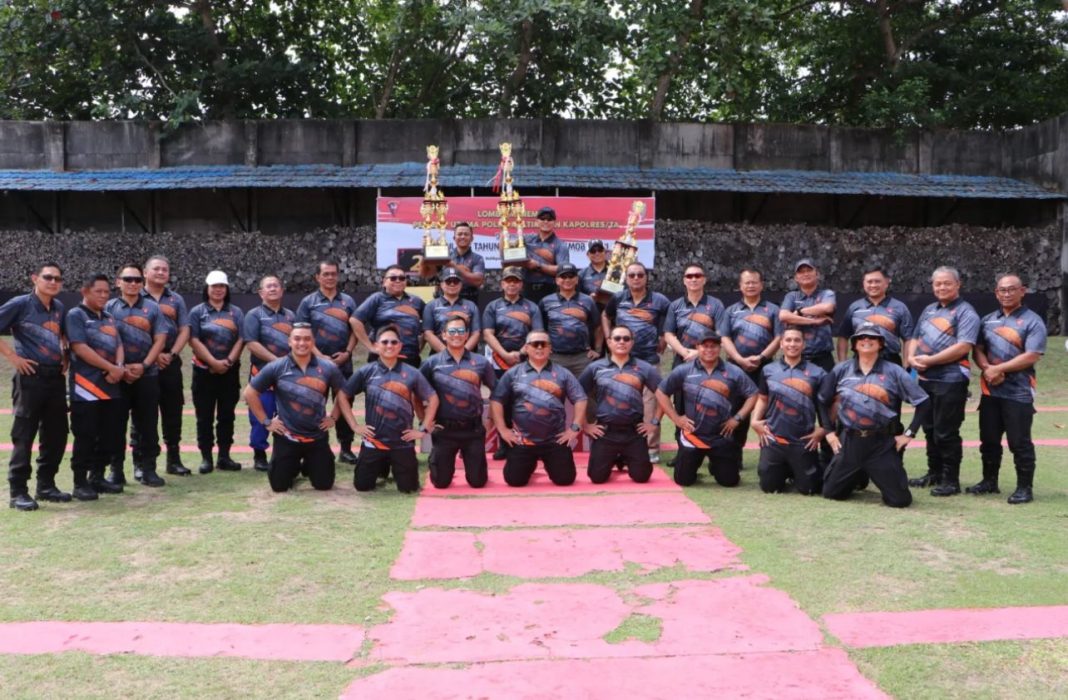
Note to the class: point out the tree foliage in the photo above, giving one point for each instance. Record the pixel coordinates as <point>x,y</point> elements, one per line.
<point>892,63</point>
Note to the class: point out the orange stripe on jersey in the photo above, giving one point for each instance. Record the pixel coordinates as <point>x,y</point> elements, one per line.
<point>377,444</point>
<point>90,387</point>
<point>692,439</point>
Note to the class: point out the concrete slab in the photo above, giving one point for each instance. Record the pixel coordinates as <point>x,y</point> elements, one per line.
<point>862,630</point>
<point>540,484</point>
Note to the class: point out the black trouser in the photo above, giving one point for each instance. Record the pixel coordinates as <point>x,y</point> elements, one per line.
<point>215,398</point>
<point>171,400</point>
<point>523,460</point>
<point>824,360</point>
<point>942,428</point>
<point>742,431</point>
<point>778,462</point>
<point>98,429</point>
<point>620,442</point>
<point>139,401</point>
<point>536,291</point>
<point>290,458</point>
<point>344,432</point>
<point>40,405</point>
<point>1013,419</point>
<point>373,462</point>
<point>875,455</point>
<point>465,437</point>
<point>724,462</point>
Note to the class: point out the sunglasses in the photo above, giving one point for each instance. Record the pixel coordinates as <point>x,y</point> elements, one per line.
<point>52,278</point>
<point>452,280</point>
<point>635,275</point>
<point>456,331</point>
<point>133,280</point>
<point>389,341</point>
<point>539,344</point>
<point>568,276</point>
<point>694,276</point>
<point>396,278</point>
<point>621,338</point>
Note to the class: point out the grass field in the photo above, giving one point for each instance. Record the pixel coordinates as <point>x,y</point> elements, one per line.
<point>222,548</point>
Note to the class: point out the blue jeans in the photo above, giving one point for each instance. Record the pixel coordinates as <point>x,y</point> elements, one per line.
<point>257,437</point>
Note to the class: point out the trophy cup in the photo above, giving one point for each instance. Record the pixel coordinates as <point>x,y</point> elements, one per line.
<point>433,210</point>
<point>624,252</point>
<point>510,208</point>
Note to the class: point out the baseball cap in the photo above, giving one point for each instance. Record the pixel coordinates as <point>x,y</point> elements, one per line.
<point>867,329</point>
<point>566,269</point>
<point>450,273</point>
<point>217,277</point>
<point>595,243</point>
<point>708,334</point>
<point>803,262</point>
<point>512,272</point>
<point>547,213</point>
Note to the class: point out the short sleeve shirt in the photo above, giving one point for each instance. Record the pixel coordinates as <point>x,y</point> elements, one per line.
<point>388,400</point>
<point>138,324</point>
<point>791,394</point>
<point>270,329</point>
<point>329,319</point>
<point>818,339</point>
<point>891,316</point>
<point>688,321</point>
<point>300,394</point>
<point>940,327</point>
<point>710,398</point>
<point>406,312</point>
<point>551,251</point>
<point>752,329</point>
<point>474,262</point>
<point>571,323</point>
<point>510,322</point>
<point>590,279</point>
<point>38,332</point>
<point>619,388</point>
<point>1005,337</point>
<point>537,400</point>
<point>175,313</point>
<point>219,330</point>
<point>100,333</point>
<point>645,318</point>
<point>440,310</point>
<point>459,383</point>
<point>869,401</point>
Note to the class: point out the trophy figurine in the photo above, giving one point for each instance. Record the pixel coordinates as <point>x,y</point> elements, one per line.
<point>624,252</point>
<point>434,210</point>
<point>510,207</point>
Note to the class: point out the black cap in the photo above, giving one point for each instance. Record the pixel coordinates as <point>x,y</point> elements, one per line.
<point>595,243</point>
<point>547,213</point>
<point>512,272</point>
<point>450,273</point>
<point>708,334</point>
<point>803,262</point>
<point>566,269</point>
<point>867,329</point>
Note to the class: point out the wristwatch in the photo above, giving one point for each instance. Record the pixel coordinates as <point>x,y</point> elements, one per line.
<point>575,427</point>
<point>655,421</point>
<point>909,433</point>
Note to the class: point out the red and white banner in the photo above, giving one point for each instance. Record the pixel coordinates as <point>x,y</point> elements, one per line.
<point>578,221</point>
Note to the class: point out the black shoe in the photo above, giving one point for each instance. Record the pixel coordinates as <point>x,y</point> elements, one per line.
<point>928,479</point>
<point>206,467</point>
<point>225,464</point>
<point>85,493</point>
<point>175,466</point>
<point>346,456</point>
<point>149,477</point>
<point>137,473</point>
<point>983,487</point>
<point>1021,495</point>
<point>116,476</point>
<point>949,488</point>
<point>102,486</point>
<point>259,461</point>
<point>22,501</point>
<point>501,453</point>
<point>52,495</point>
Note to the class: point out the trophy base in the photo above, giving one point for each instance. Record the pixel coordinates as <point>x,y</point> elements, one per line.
<point>514,255</point>
<point>611,288</point>
<point>436,254</point>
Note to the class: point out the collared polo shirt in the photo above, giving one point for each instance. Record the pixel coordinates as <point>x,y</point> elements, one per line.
<point>791,394</point>
<point>138,324</point>
<point>475,264</point>
<point>710,397</point>
<point>619,388</point>
<point>100,333</point>
<point>219,330</point>
<point>590,279</point>
<point>270,329</point>
<point>891,316</point>
<point>459,383</point>
<point>941,327</point>
<point>869,401</point>
<point>818,339</point>
<point>440,310</point>
<point>571,323</point>
<point>751,329</point>
<point>645,318</point>
<point>388,395</point>
<point>689,321</point>
<point>175,313</point>
<point>406,312</point>
<point>510,321</point>
<point>537,400</point>
<point>38,332</point>
<point>300,394</point>
<point>329,319</point>
<point>1005,337</point>
<point>551,251</point>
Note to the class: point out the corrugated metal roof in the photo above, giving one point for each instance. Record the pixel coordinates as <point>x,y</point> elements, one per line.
<point>464,176</point>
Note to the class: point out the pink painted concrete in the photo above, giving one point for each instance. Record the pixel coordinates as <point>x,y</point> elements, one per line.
<point>540,484</point>
<point>560,553</point>
<point>861,630</point>
<point>274,642</point>
<point>623,509</point>
<point>827,674</point>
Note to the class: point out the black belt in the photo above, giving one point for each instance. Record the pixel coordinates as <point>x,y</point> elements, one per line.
<point>459,424</point>
<point>887,431</point>
<point>622,426</point>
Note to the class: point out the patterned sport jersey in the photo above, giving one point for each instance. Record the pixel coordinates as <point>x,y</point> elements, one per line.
<point>388,400</point>
<point>791,395</point>
<point>38,332</point>
<point>100,333</point>
<point>459,383</point>
<point>940,327</point>
<point>1005,337</point>
<point>138,324</point>
<point>710,397</point>
<point>537,399</point>
<point>270,329</point>
<point>406,312</point>
<point>869,401</point>
<point>300,395</point>
<point>219,330</point>
<point>619,388</point>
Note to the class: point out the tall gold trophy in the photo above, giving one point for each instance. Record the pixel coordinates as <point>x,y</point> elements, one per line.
<point>433,210</point>
<point>624,252</point>
<point>510,208</point>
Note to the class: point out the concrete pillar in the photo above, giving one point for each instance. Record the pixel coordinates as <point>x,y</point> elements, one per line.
<point>155,147</point>
<point>348,144</point>
<point>924,147</point>
<point>252,143</point>
<point>55,143</point>
<point>834,148</point>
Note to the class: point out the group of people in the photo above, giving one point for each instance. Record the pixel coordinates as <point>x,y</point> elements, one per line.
<point>558,361</point>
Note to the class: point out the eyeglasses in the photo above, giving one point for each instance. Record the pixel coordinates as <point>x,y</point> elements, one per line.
<point>622,338</point>
<point>568,276</point>
<point>396,278</point>
<point>456,331</point>
<point>635,275</point>
<point>133,280</point>
<point>1007,290</point>
<point>596,250</point>
<point>52,278</point>
<point>539,344</point>
<point>389,341</point>
<point>694,276</point>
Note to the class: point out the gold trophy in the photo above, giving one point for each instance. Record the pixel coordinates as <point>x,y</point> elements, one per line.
<point>510,208</point>
<point>624,252</point>
<point>433,210</point>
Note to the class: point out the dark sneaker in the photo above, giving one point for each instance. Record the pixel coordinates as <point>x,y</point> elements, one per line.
<point>347,456</point>
<point>22,502</point>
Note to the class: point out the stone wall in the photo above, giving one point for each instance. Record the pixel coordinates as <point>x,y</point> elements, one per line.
<point>909,254</point>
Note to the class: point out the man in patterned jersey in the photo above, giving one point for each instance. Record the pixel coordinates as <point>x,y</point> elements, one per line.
<point>458,375</point>
<point>392,306</point>
<point>785,419</point>
<point>620,432</point>
<point>169,361</point>
<point>945,334</point>
<point>591,276</point>
<point>717,397</point>
<point>572,318</point>
<point>449,305</point>
<point>302,381</point>
<point>537,391</point>
<point>36,322</point>
<point>468,264</point>
<point>96,406</point>
<point>141,329</point>
<point>879,308</point>
<point>811,309</point>
<point>266,334</point>
<point>1012,341</point>
<point>330,312</point>
<point>869,391</point>
<point>391,388</point>
<point>546,253</point>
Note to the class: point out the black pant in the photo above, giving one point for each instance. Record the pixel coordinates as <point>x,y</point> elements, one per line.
<point>724,462</point>
<point>536,291</point>
<point>942,428</point>
<point>742,431</point>
<point>999,417</point>
<point>523,460</point>
<point>778,461</point>
<point>467,439</point>
<point>620,442</point>
<point>373,462</point>
<point>140,401</point>
<point>290,458</point>
<point>344,432</point>
<point>40,405</point>
<point>824,360</point>
<point>98,430</point>
<point>876,456</point>
<point>171,400</point>
<point>215,398</point>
